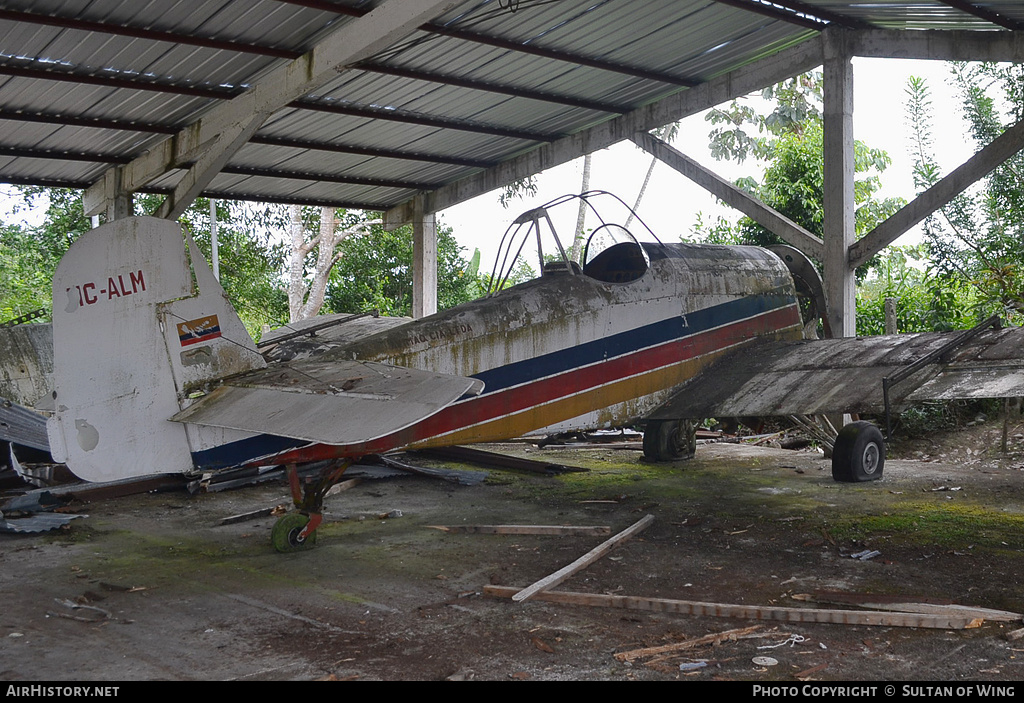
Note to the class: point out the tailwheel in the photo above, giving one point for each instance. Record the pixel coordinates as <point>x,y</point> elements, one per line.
<point>287,534</point>
<point>297,530</point>
<point>669,440</point>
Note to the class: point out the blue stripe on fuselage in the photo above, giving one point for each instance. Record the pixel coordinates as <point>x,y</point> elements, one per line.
<point>668,330</point>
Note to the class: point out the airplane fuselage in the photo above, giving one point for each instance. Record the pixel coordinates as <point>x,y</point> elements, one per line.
<point>573,351</point>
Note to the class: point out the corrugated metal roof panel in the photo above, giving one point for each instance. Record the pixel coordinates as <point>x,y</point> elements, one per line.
<point>624,54</point>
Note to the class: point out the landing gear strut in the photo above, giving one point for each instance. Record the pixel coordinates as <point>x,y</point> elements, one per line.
<point>296,531</point>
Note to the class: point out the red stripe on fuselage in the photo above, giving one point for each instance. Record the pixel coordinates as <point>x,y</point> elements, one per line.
<point>510,401</point>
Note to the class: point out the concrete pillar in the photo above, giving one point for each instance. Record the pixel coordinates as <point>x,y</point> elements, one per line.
<point>424,262</point>
<point>838,195</point>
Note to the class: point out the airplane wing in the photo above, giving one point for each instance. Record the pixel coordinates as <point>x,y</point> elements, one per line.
<point>846,375</point>
<point>337,402</point>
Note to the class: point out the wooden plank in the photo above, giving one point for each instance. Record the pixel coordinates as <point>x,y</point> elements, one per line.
<point>584,561</point>
<point>749,612</point>
<point>560,530</point>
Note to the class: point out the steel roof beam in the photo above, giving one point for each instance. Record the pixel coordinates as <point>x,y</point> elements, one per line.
<point>984,13</point>
<point>742,81</point>
<point>799,13</point>
<point>261,50</point>
<point>337,107</point>
<point>514,91</point>
<point>269,140</point>
<point>226,128</point>
<point>54,20</point>
<point>511,45</point>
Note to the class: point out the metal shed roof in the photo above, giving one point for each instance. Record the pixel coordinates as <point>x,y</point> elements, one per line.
<point>86,86</point>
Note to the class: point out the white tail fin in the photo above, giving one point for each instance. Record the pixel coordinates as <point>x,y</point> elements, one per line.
<point>133,334</point>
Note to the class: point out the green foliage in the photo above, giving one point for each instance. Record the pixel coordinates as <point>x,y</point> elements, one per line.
<point>796,103</point>
<point>977,238</point>
<point>925,301</point>
<point>375,272</point>
<point>29,254</point>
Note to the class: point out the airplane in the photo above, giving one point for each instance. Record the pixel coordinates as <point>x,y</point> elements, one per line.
<point>154,372</point>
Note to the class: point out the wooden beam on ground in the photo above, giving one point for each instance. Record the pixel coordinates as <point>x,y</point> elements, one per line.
<point>559,530</point>
<point>974,169</point>
<point>584,561</point>
<point>749,612</point>
<point>770,219</point>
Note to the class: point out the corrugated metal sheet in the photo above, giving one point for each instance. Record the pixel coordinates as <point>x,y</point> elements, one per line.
<point>108,79</point>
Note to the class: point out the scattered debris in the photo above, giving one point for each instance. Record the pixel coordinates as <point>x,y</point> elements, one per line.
<point>461,477</point>
<point>559,530</point>
<point>38,522</point>
<point>692,666</point>
<point>714,640</point>
<point>251,515</point>
<point>765,661</point>
<point>593,555</point>
<point>498,461</point>
<point>866,554</point>
<point>101,614</point>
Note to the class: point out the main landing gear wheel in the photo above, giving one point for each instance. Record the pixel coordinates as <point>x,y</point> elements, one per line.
<point>858,454</point>
<point>669,440</point>
<point>286,534</point>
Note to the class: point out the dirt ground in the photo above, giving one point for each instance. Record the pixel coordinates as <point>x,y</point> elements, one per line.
<point>173,595</point>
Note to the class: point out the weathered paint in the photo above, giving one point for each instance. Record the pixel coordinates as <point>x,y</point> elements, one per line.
<point>572,351</point>
<point>119,371</point>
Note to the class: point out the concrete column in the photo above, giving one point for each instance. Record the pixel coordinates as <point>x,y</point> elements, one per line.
<point>838,196</point>
<point>424,262</point>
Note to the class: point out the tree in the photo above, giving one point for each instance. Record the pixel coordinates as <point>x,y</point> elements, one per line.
<point>29,254</point>
<point>374,272</point>
<point>789,141</point>
<point>306,291</point>
<point>977,238</point>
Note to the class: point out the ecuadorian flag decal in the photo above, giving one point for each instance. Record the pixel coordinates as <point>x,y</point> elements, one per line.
<point>200,330</point>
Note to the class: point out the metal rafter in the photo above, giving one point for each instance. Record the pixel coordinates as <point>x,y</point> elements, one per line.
<point>268,140</point>
<point>511,45</point>
<point>515,91</point>
<point>125,30</point>
<point>829,16</point>
<point>275,52</point>
<point>774,12</point>
<point>226,94</point>
<point>984,13</point>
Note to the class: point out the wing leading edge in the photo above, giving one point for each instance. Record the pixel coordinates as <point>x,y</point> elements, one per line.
<point>845,375</point>
<point>338,402</point>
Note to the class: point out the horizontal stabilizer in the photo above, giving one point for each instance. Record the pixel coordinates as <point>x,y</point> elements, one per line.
<point>336,402</point>
<point>845,375</point>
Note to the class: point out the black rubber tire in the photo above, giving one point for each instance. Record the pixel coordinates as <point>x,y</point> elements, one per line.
<point>284,535</point>
<point>669,440</point>
<point>858,454</point>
